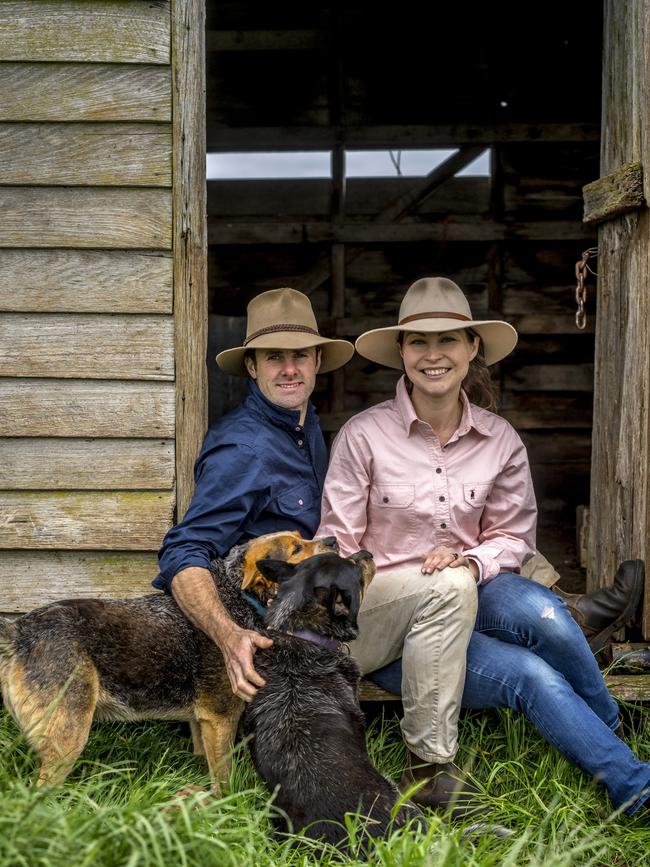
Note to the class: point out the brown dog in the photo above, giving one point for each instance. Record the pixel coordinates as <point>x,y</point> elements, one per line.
<point>70,662</point>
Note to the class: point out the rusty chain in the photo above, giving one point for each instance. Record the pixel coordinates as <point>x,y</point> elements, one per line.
<point>582,267</point>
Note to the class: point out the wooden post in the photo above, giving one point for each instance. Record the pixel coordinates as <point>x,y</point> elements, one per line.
<point>189,239</point>
<point>620,509</point>
<point>339,188</point>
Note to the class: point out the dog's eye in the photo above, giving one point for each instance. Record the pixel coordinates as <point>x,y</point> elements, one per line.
<point>297,549</point>
<point>321,594</point>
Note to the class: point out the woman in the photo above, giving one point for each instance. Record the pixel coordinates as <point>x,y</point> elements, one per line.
<point>438,487</point>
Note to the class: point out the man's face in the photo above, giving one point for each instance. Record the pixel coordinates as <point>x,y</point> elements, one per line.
<point>286,376</point>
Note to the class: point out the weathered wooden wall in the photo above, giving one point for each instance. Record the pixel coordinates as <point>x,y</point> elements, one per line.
<point>87,475</point>
<point>620,510</point>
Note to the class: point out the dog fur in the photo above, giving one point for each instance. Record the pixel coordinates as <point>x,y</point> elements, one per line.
<point>306,727</point>
<point>70,662</point>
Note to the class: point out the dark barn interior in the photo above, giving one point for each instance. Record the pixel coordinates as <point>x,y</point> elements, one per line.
<point>523,81</point>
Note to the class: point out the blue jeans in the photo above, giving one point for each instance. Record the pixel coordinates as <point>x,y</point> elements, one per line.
<point>528,653</point>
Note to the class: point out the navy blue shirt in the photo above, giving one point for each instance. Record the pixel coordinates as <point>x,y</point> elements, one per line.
<point>259,471</point>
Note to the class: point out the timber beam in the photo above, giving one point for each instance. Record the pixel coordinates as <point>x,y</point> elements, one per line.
<point>624,687</point>
<point>265,40</point>
<point>286,138</point>
<point>228,232</point>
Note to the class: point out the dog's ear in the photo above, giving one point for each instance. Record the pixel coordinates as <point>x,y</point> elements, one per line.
<point>275,570</point>
<point>359,556</point>
<point>364,560</point>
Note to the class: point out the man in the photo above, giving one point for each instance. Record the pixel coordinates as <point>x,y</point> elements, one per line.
<point>261,469</point>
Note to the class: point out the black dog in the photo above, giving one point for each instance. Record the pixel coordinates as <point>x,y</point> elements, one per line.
<point>306,726</point>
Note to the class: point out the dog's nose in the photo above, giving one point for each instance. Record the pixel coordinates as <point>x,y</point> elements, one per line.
<point>331,542</point>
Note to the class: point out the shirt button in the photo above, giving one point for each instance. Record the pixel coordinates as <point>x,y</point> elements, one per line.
<point>442,499</point>
<point>385,499</point>
<point>438,470</point>
<point>443,526</point>
<point>299,442</point>
<point>301,502</point>
<point>298,428</point>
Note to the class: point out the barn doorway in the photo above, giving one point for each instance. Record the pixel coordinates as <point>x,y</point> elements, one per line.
<point>502,132</point>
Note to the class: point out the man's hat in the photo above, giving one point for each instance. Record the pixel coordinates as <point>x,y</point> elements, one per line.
<point>284,319</point>
<point>435,304</point>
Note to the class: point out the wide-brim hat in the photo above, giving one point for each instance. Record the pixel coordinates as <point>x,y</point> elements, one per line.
<point>284,319</point>
<point>434,304</point>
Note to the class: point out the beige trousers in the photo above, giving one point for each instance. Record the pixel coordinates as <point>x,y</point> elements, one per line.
<point>428,621</point>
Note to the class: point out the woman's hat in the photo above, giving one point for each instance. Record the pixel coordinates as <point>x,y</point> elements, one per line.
<point>284,319</point>
<point>435,304</point>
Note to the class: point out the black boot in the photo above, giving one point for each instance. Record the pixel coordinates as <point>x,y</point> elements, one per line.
<point>602,613</point>
<point>445,788</point>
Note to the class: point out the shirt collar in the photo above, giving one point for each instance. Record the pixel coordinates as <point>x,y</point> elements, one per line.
<point>278,415</point>
<point>408,415</point>
<point>471,419</point>
<point>404,406</point>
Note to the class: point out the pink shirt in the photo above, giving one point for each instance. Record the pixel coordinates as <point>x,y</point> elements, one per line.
<point>392,489</point>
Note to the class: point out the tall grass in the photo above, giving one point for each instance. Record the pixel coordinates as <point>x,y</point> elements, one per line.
<point>115,807</point>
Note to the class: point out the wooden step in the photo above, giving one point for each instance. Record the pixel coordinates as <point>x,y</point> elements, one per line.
<point>627,687</point>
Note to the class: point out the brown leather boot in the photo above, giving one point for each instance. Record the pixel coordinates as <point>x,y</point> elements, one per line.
<point>445,788</point>
<point>602,613</point>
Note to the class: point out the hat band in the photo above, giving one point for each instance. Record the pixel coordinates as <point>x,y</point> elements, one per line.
<point>436,314</point>
<point>272,329</point>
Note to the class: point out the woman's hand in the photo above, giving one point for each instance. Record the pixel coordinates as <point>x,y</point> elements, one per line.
<point>442,556</point>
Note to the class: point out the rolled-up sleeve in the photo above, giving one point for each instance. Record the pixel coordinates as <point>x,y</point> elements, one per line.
<point>229,490</point>
<point>509,519</point>
<point>345,494</point>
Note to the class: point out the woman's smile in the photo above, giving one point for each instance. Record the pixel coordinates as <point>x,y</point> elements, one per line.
<point>435,372</point>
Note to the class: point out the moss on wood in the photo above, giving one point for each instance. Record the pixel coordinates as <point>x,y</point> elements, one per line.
<point>615,194</point>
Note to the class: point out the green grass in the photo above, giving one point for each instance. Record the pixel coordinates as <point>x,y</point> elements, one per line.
<point>110,811</point>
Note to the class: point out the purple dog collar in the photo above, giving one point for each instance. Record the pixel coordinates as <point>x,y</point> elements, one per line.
<point>316,638</point>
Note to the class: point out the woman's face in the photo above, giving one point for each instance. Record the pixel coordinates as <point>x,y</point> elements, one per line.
<point>437,363</point>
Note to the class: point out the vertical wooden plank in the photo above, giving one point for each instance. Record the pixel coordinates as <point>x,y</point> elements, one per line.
<point>620,507</point>
<point>189,238</point>
<point>337,294</point>
<point>338,197</point>
<point>337,310</point>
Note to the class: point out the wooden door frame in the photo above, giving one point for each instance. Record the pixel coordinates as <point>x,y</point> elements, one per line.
<point>189,238</point>
<point>620,482</point>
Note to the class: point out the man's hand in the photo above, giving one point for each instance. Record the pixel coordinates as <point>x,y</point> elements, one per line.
<point>442,556</point>
<point>238,647</point>
<point>197,597</point>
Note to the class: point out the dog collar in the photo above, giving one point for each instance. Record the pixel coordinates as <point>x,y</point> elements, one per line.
<point>307,634</point>
<point>254,603</point>
<point>316,638</point>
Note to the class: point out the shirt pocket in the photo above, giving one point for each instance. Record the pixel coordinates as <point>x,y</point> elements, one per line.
<point>475,494</point>
<point>392,496</point>
<point>295,501</point>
